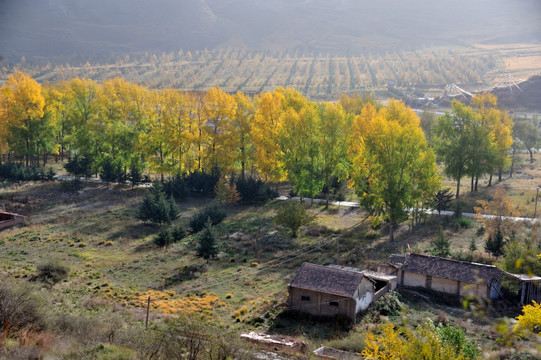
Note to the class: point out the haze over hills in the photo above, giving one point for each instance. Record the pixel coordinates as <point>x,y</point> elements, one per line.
<point>68,30</point>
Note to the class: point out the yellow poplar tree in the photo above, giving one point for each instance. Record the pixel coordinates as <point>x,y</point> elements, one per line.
<point>500,126</point>
<point>23,114</point>
<point>265,133</point>
<point>220,109</point>
<point>197,135</point>
<point>243,124</point>
<point>399,168</point>
<point>152,142</point>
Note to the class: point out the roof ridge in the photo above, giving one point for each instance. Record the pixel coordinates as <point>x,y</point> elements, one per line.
<point>453,260</point>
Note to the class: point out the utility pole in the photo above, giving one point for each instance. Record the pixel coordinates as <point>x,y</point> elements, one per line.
<point>536,198</point>
<point>148,311</point>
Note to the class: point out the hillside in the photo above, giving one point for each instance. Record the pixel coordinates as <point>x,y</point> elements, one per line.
<point>66,30</point>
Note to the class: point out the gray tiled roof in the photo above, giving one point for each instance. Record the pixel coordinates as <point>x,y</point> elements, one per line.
<point>463,271</point>
<point>326,279</point>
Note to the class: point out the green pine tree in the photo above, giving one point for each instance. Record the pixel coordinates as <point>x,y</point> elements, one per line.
<point>207,242</point>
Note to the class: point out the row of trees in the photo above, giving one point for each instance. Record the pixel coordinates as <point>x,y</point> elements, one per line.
<point>118,126</point>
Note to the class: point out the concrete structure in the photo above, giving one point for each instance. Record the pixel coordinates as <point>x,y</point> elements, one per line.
<point>329,353</point>
<point>9,219</point>
<point>335,290</point>
<point>280,343</point>
<point>459,278</point>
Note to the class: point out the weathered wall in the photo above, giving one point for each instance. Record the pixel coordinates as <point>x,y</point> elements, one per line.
<point>364,295</point>
<point>319,304</point>
<point>444,285</point>
<point>475,290</point>
<point>414,280</point>
<point>7,220</point>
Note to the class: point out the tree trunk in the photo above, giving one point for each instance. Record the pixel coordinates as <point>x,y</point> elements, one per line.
<point>471,186</point>
<point>531,155</point>
<point>327,199</point>
<point>490,180</point>
<point>500,171</point>
<point>476,182</point>
<point>512,164</point>
<point>457,211</point>
<point>391,228</point>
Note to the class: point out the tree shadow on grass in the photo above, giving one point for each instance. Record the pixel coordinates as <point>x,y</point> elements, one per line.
<point>134,231</point>
<point>294,323</point>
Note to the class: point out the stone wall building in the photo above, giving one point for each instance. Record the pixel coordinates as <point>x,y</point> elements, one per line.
<point>459,278</point>
<point>330,291</point>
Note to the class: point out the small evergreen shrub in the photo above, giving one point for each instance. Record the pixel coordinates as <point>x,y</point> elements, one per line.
<point>203,183</point>
<point>254,191</point>
<point>177,187</point>
<point>167,236</point>
<point>441,245</point>
<point>216,215</point>
<point>71,187</point>
<point>495,244</point>
<point>156,208</point>
<point>18,172</point>
<point>52,272</point>
<point>207,242</point>
<point>79,166</point>
<point>462,223</point>
<point>164,237</point>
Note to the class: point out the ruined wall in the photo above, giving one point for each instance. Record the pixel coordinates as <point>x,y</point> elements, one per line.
<point>320,304</point>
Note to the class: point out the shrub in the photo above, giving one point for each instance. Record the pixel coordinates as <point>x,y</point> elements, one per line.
<point>71,187</point>
<point>135,176</point>
<point>178,233</point>
<point>52,272</point>
<point>521,257</point>
<point>530,320</point>
<point>254,191</point>
<point>495,244</point>
<point>207,242</point>
<point>441,245</point>
<point>190,338</point>
<point>164,237</point>
<point>203,183</point>
<point>18,172</point>
<point>177,187</point>
<point>456,337</point>
<point>79,166</point>
<point>167,236</point>
<point>389,304</point>
<point>216,215</point>
<point>441,200</point>
<point>292,216</point>
<point>462,223</point>
<point>111,171</point>
<point>156,208</point>
<point>226,193</point>
<point>19,308</point>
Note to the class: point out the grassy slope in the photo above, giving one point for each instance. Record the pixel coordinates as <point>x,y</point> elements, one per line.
<point>114,263</point>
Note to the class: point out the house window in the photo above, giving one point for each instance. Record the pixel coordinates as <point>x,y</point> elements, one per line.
<point>333,303</point>
<point>305,298</point>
